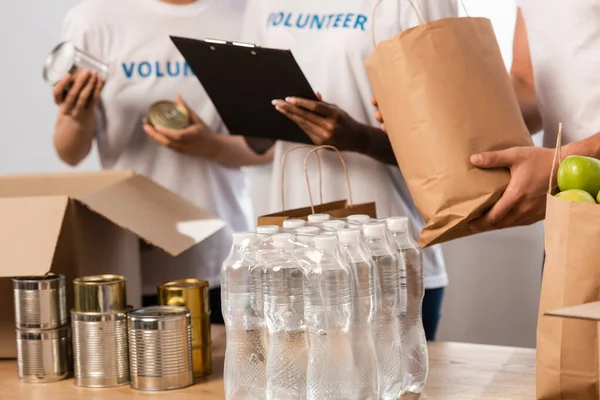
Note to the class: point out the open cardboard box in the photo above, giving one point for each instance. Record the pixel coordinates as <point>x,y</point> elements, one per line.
<point>80,224</point>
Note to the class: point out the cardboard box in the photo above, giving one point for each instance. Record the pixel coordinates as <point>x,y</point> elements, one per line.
<point>79,224</point>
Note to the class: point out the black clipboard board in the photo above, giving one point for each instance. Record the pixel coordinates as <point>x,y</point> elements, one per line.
<point>242,80</point>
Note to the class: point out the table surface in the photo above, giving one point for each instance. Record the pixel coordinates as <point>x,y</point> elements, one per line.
<point>457,372</point>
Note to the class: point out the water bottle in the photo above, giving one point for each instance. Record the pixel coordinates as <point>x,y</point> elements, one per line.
<point>334,225</point>
<point>242,304</point>
<point>328,310</point>
<point>358,219</point>
<point>388,332</point>
<point>365,310</point>
<point>265,231</point>
<point>415,344</point>
<point>287,354</point>
<point>289,225</point>
<point>317,219</point>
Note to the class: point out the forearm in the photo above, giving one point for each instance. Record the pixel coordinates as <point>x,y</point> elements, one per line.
<point>527,98</point>
<point>589,147</point>
<point>378,146</point>
<point>234,152</point>
<point>72,139</point>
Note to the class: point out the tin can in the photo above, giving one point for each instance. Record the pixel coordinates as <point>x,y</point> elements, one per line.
<point>100,294</point>
<point>100,349</point>
<point>160,343</point>
<point>168,114</point>
<point>65,59</point>
<point>40,302</point>
<point>193,294</point>
<point>42,356</point>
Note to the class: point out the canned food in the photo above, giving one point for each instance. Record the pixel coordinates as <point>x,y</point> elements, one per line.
<point>42,356</point>
<point>193,294</point>
<point>65,59</point>
<point>168,114</point>
<point>100,294</point>
<point>160,348</point>
<point>40,302</point>
<point>100,348</point>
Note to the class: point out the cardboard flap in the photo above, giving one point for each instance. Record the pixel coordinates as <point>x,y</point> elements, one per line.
<point>29,235</point>
<point>588,311</point>
<point>65,184</point>
<point>153,213</point>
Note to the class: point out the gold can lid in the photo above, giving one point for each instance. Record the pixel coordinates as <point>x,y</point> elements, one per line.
<point>190,293</point>
<point>168,114</point>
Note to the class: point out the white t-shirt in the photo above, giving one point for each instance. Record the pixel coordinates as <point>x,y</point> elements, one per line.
<point>132,36</point>
<point>564,40</point>
<point>330,41</point>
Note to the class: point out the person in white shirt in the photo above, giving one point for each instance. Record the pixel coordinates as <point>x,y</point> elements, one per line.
<point>330,41</point>
<point>201,163</point>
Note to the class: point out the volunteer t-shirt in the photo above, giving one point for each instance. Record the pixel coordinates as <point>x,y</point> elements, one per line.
<point>564,40</point>
<point>330,41</point>
<point>132,36</point>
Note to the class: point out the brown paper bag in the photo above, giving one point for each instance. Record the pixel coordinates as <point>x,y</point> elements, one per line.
<point>445,94</point>
<point>337,209</point>
<point>567,349</point>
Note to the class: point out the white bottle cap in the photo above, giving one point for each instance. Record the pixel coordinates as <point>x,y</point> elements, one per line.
<point>349,236</point>
<point>335,224</point>
<point>316,218</point>
<point>267,229</point>
<point>293,223</point>
<point>308,230</point>
<point>283,241</point>
<point>326,242</point>
<point>360,218</point>
<point>243,238</point>
<point>397,224</point>
<point>374,230</point>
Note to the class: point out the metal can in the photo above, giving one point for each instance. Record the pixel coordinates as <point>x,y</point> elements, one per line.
<point>160,343</point>
<point>40,302</point>
<point>65,59</point>
<point>42,356</point>
<point>100,294</point>
<point>193,294</point>
<point>168,114</point>
<point>100,349</point>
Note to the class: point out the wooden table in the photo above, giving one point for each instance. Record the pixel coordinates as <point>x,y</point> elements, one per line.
<point>457,372</point>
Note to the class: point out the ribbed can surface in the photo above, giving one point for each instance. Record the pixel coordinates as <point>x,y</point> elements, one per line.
<point>100,349</point>
<point>160,343</point>
<point>40,302</point>
<point>42,356</point>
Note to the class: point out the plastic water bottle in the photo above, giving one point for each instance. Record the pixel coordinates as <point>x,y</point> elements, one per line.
<point>334,225</point>
<point>287,354</point>
<point>289,225</point>
<point>388,339</point>
<point>328,305</point>
<point>242,304</point>
<point>415,344</point>
<point>267,230</point>
<point>358,219</point>
<point>316,219</point>
<point>365,311</point>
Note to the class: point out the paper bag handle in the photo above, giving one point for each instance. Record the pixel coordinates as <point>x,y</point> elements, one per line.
<point>557,157</point>
<point>316,149</point>
<point>416,5</point>
<point>302,146</point>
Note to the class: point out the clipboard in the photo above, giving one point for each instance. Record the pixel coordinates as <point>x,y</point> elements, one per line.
<point>242,80</point>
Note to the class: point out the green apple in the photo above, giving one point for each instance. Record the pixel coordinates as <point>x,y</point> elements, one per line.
<point>577,195</point>
<point>578,172</point>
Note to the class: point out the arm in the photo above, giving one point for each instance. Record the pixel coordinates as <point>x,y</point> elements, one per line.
<point>379,146</point>
<point>522,77</point>
<point>589,147</point>
<point>234,151</point>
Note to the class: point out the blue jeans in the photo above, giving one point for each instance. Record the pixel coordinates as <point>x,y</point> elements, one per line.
<point>432,309</point>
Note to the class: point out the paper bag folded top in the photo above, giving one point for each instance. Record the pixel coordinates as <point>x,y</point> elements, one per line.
<point>445,94</point>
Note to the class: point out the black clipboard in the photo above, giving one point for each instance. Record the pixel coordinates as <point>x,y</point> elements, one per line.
<point>242,80</point>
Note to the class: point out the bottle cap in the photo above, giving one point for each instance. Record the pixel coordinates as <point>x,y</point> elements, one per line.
<point>359,218</point>
<point>267,229</point>
<point>317,218</point>
<point>308,230</point>
<point>349,236</point>
<point>397,224</point>
<point>374,230</point>
<point>335,224</point>
<point>326,242</point>
<point>294,223</point>
<point>283,241</point>
<point>243,238</point>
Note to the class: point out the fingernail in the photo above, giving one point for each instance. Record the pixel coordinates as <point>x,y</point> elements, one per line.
<point>274,102</point>
<point>290,100</point>
<point>278,108</point>
<point>476,159</point>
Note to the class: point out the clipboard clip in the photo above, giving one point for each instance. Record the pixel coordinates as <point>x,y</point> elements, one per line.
<point>239,44</point>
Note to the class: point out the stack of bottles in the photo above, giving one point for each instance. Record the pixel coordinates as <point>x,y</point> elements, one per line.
<point>324,309</point>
